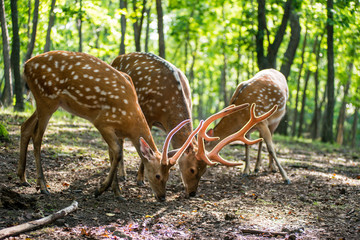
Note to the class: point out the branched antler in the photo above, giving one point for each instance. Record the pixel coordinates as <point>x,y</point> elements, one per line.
<point>201,154</point>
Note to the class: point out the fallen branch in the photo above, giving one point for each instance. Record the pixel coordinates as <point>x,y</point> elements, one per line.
<point>6,232</point>
<point>253,231</point>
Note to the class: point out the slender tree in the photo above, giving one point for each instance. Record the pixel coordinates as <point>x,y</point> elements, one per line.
<point>79,26</point>
<point>50,25</point>
<point>342,112</point>
<point>6,96</point>
<point>269,60</point>
<point>15,58</point>
<point>160,29</point>
<point>327,129</point>
<point>223,92</point>
<point>314,129</point>
<point>298,83</point>
<point>35,20</point>
<point>289,57</point>
<point>147,32</point>
<point>123,7</point>
<point>138,24</point>
<point>354,127</point>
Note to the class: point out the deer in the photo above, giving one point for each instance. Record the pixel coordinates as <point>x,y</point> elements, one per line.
<point>266,89</point>
<point>91,89</point>
<point>163,89</point>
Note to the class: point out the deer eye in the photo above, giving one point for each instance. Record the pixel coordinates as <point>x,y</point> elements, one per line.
<point>157,176</point>
<point>192,170</point>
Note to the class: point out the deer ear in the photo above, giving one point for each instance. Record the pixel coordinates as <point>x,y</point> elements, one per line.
<point>210,133</point>
<point>145,149</point>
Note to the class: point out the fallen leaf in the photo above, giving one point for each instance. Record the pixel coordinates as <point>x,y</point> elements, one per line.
<point>110,214</point>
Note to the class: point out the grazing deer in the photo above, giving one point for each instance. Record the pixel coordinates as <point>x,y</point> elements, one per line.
<point>267,88</point>
<point>165,99</point>
<point>89,88</point>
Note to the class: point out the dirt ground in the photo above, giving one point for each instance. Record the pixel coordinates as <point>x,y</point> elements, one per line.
<point>323,201</point>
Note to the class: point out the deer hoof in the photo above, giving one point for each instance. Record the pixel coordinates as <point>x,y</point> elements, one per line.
<point>287,181</point>
<point>25,184</point>
<point>97,193</point>
<point>140,183</point>
<point>122,178</point>
<point>120,199</point>
<point>44,191</point>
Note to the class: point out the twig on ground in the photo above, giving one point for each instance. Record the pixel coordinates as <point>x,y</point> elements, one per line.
<point>254,231</point>
<point>6,232</point>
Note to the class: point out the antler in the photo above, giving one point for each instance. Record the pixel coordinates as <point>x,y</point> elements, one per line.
<point>201,154</point>
<point>173,159</point>
<point>240,135</point>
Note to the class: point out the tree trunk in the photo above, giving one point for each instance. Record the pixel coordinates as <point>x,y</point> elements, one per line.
<point>269,61</point>
<point>191,70</point>
<point>138,25</point>
<point>147,32</point>
<point>15,58</point>
<point>354,127</point>
<point>288,60</point>
<point>160,29</point>
<point>50,25</point>
<point>303,103</point>
<point>79,27</point>
<point>31,44</point>
<point>342,113</point>
<point>123,6</point>
<point>6,96</point>
<point>314,126</point>
<point>327,130</point>
<point>224,68</point>
<point>298,84</point>
<point>28,20</point>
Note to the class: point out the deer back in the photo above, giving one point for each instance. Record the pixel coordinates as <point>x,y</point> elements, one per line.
<point>87,87</point>
<point>162,89</point>
<point>266,89</point>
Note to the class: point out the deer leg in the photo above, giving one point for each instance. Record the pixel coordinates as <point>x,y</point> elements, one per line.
<point>115,155</point>
<point>122,170</point>
<point>272,167</point>
<point>42,122</point>
<point>259,159</point>
<point>27,131</point>
<point>115,183</point>
<point>247,160</point>
<point>140,175</point>
<point>265,132</point>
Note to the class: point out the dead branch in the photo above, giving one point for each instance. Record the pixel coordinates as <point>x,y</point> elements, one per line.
<point>6,232</point>
<point>254,231</point>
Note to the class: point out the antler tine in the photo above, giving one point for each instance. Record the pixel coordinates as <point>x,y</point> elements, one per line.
<point>240,135</point>
<point>173,160</point>
<point>226,111</point>
<point>164,159</point>
<point>201,154</point>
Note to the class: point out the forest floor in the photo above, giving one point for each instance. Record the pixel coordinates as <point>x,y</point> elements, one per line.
<point>323,201</point>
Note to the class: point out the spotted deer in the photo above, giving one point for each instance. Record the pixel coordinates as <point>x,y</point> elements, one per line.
<point>165,99</point>
<point>91,89</point>
<point>266,89</point>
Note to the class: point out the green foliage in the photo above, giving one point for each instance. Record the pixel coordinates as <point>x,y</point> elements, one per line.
<point>204,31</point>
<point>4,134</point>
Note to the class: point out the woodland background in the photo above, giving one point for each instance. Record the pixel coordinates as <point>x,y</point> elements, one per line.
<point>216,43</point>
